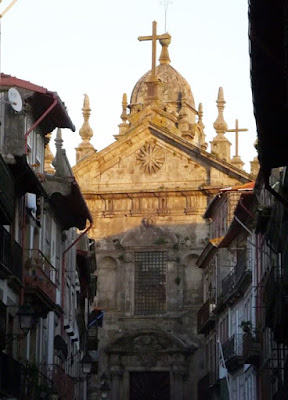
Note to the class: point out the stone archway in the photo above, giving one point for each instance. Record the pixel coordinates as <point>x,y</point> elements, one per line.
<point>137,357</point>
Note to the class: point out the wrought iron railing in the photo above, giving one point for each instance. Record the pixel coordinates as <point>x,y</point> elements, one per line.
<point>17,260</point>
<point>62,383</point>
<point>271,296</point>
<point>251,348</point>
<point>37,384</point>
<point>233,347</point>
<point>11,254</point>
<point>231,281</point>
<point>205,314</point>
<point>7,193</point>
<point>40,273</point>
<point>272,284</point>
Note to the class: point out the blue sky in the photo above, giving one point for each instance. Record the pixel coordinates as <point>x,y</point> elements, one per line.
<point>90,46</point>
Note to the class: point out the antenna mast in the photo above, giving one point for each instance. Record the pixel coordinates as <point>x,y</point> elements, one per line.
<point>1,15</point>
<point>166,3</point>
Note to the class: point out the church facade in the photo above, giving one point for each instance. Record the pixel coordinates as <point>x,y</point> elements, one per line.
<point>147,193</point>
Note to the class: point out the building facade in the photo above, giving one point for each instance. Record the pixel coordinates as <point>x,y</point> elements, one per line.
<point>147,193</point>
<point>41,207</point>
<point>227,317</point>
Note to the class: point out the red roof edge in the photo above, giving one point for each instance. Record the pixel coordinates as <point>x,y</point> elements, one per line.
<point>8,80</point>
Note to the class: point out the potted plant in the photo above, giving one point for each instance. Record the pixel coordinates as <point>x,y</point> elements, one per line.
<point>246,326</point>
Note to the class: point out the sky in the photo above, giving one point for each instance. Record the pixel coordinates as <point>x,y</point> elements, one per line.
<point>91,46</point>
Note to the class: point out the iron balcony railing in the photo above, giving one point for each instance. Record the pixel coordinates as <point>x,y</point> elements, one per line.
<point>11,255</point>
<point>233,347</point>
<point>7,192</point>
<point>39,273</point>
<point>276,304</point>
<point>272,284</point>
<point>205,316</point>
<point>38,385</point>
<point>61,383</point>
<point>241,274</point>
<point>251,349</point>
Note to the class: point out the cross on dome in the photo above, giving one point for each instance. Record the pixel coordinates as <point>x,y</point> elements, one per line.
<point>154,37</point>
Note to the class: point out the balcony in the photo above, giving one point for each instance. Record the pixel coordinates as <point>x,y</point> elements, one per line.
<point>11,258</point>
<point>233,351</point>
<point>55,377</point>
<point>206,317</point>
<point>236,282</point>
<point>251,349</point>
<point>39,282</point>
<point>38,385</point>
<point>271,298</point>
<point>11,384</point>
<point>7,194</point>
<point>276,303</point>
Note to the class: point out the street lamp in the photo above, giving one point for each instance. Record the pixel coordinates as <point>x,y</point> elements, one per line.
<point>86,364</point>
<point>26,315</point>
<point>104,390</point>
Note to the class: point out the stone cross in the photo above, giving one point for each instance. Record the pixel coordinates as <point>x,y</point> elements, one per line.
<point>236,130</point>
<point>154,39</point>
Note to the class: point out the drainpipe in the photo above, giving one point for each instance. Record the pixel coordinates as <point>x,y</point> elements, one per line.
<point>243,225</point>
<point>254,265</point>
<point>63,264</point>
<point>50,108</point>
<point>245,208</point>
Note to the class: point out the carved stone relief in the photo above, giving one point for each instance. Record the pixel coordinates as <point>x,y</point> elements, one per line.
<point>150,158</point>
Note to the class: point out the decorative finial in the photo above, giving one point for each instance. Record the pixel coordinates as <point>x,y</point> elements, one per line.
<point>220,145</point>
<point>58,139</point>
<point>220,125</point>
<point>200,116</point>
<point>48,157</point>
<point>255,166</point>
<point>164,56</point>
<point>86,131</point>
<point>124,108</point>
<point>123,127</point>
<point>200,129</point>
<point>85,148</point>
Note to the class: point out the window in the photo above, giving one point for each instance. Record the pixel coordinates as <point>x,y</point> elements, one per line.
<point>150,283</point>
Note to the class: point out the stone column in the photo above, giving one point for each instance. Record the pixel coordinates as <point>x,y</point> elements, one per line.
<point>116,374</point>
<point>178,373</point>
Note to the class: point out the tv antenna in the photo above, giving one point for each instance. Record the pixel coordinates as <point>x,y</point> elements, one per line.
<point>1,16</point>
<point>166,3</point>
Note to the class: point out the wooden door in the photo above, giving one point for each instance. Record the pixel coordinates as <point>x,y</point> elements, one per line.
<point>149,386</point>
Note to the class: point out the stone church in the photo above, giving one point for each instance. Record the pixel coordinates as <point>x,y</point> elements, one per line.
<point>147,193</point>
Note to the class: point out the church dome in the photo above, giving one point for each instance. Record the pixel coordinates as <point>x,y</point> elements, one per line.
<point>174,89</point>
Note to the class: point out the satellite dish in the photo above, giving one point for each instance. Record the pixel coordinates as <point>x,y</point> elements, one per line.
<point>15,99</point>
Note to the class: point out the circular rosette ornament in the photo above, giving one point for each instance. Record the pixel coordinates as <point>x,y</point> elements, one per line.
<point>150,158</point>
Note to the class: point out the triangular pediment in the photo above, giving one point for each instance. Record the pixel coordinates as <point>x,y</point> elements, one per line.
<point>147,341</point>
<point>152,157</point>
